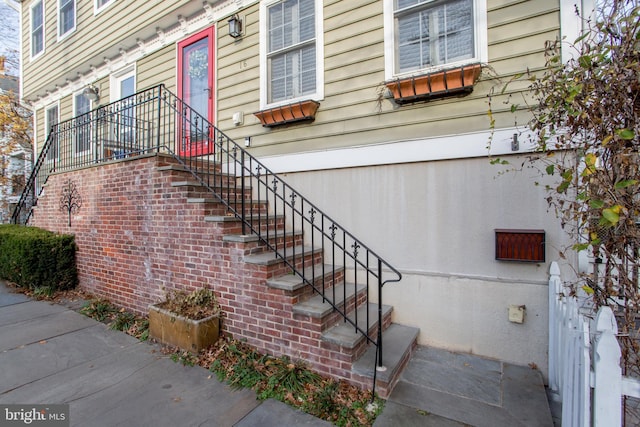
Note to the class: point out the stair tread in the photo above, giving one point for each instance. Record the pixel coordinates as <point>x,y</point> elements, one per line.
<point>268,257</point>
<point>216,200</point>
<point>345,335</point>
<point>292,282</point>
<point>318,307</point>
<point>396,341</point>
<point>244,238</point>
<point>227,218</point>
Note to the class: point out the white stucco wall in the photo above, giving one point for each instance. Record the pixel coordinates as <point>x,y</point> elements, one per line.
<point>435,221</point>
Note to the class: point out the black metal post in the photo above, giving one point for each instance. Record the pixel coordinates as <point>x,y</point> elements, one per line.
<point>379,313</point>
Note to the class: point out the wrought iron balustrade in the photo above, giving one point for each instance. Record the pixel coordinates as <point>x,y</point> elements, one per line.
<point>157,121</point>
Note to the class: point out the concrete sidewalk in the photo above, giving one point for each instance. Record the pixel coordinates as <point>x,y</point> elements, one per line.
<point>50,354</point>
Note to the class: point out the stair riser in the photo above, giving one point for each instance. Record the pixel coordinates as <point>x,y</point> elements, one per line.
<point>329,280</point>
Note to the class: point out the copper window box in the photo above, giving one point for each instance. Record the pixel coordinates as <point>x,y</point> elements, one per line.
<point>520,245</point>
<point>302,111</point>
<point>454,81</point>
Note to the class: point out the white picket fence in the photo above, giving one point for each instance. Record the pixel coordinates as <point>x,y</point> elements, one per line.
<point>584,361</point>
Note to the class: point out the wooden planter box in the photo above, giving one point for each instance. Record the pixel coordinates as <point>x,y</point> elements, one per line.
<point>290,113</point>
<point>435,85</point>
<point>188,334</point>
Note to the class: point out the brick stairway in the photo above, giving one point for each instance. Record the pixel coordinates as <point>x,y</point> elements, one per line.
<point>148,225</point>
<point>274,310</point>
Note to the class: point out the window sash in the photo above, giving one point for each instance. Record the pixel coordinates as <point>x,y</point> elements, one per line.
<point>37,28</point>
<point>66,16</point>
<point>51,118</point>
<point>433,33</point>
<point>291,53</point>
<point>82,136</point>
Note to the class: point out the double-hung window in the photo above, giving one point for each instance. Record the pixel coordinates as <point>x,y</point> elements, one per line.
<point>37,28</point>
<point>82,123</point>
<point>66,17</point>
<point>292,55</point>
<point>430,34</point>
<point>50,120</point>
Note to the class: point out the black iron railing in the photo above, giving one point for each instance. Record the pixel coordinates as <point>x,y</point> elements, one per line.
<point>157,121</point>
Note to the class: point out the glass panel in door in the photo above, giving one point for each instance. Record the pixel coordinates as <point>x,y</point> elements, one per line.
<point>195,88</point>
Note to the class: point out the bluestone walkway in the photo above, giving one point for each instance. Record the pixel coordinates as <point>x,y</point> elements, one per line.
<point>50,354</point>
<point>439,386</point>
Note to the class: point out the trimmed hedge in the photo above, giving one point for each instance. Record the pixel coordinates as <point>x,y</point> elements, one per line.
<point>34,258</point>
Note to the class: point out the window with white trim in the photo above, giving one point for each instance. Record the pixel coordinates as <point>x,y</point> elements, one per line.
<point>82,123</point>
<point>66,17</point>
<point>430,34</point>
<point>292,55</point>
<point>100,5</point>
<point>37,28</point>
<point>51,118</point>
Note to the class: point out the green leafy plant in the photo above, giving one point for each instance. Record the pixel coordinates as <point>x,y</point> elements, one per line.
<point>585,127</point>
<point>241,366</point>
<point>124,320</point>
<point>98,309</point>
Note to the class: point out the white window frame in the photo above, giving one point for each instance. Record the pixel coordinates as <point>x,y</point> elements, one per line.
<point>75,114</point>
<point>97,9</point>
<point>44,32</point>
<point>117,77</point>
<point>75,20</point>
<point>480,33</point>
<point>264,71</point>
<point>47,126</point>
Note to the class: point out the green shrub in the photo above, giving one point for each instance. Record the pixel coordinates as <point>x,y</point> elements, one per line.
<point>35,258</point>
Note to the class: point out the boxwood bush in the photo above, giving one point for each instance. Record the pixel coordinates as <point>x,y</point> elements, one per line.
<point>35,258</point>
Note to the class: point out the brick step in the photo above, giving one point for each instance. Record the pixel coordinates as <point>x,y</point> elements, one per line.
<point>256,220</point>
<point>275,236</point>
<point>293,283</point>
<point>177,167</point>
<point>215,208</point>
<point>345,335</point>
<point>398,344</point>
<point>196,189</point>
<point>321,312</point>
<point>268,257</point>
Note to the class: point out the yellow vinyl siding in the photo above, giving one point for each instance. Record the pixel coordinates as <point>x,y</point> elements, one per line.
<point>157,68</point>
<point>351,113</point>
<point>94,35</point>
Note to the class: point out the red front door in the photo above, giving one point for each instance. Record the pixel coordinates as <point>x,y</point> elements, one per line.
<point>195,88</point>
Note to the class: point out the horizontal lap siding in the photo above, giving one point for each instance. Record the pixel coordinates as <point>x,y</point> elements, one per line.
<point>351,112</point>
<point>93,35</point>
<point>157,68</point>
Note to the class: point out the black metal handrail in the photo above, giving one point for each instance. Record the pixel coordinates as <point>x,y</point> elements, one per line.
<point>155,120</point>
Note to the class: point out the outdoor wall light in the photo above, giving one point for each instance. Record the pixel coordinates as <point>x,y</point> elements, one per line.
<point>235,26</point>
<point>91,93</point>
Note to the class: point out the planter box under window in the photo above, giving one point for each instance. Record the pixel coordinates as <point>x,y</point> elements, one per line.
<point>520,245</point>
<point>302,111</point>
<point>455,81</point>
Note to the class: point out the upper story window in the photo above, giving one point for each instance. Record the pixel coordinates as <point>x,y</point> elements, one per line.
<point>431,34</point>
<point>66,17</point>
<point>100,5</point>
<point>292,57</point>
<point>37,28</point>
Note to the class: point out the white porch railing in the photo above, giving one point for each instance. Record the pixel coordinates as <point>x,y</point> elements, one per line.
<point>584,366</point>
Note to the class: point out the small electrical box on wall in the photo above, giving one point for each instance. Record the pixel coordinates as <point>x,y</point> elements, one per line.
<point>520,245</point>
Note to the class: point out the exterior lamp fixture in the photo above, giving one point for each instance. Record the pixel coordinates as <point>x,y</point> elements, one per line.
<point>235,26</point>
<point>91,93</point>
